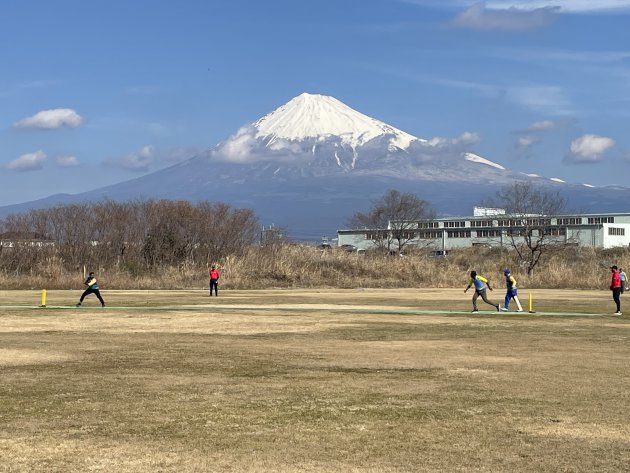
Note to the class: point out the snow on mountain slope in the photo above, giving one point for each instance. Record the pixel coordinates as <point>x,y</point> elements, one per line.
<point>478,159</point>
<point>310,116</point>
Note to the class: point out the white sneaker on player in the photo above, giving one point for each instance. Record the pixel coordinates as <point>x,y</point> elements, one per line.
<point>504,309</point>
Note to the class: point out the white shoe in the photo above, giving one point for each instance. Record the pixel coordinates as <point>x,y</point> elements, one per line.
<point>618,313</point>
<point>519,310</point>
<point>505,309</point>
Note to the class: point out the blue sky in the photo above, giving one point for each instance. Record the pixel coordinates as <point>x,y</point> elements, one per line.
<point>96,92</point>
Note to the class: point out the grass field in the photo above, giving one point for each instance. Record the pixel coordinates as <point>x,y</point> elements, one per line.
<point>316,381</point>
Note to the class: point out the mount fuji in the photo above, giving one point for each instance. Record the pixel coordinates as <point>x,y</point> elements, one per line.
<point>313,162</point>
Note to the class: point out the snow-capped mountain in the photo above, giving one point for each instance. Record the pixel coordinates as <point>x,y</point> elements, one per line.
<point>313,162</point>
<point>316,135</point>
<point>320,118</point>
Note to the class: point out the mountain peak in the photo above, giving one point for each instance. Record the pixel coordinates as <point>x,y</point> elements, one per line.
<point>314,116</point>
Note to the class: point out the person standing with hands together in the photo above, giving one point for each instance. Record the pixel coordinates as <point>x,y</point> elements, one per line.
<point>214,280</point>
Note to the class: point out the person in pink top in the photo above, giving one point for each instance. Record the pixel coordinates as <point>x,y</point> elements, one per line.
<point>214,280</point>
<point>615,287</point>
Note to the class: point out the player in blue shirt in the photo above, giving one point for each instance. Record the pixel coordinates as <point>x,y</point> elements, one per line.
<point>480,284</point>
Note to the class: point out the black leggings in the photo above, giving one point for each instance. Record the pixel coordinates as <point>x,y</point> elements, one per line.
<point>89,291</point>
<point>214,283</point>
<point>616,293</point>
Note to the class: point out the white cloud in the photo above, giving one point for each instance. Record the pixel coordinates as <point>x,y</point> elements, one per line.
<point>243,147</point>
<point>569,6</point>
<point>588,149</point>
<point>51,119</point>
<point>525,142</point>
<point>565,5</point>
<point>466,138</point>
<point>140,160</point>
<point>148,158</point>
<point>542,99</point>
<point>541,126</point>
<point>67,161</point>
<point>479,17</point>
<point>238,147</point>
<point>28,162</point>
<point>443,149</point>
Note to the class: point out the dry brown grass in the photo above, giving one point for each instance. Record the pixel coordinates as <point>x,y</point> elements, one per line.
<point>293,380</point>
<point>295,266</point>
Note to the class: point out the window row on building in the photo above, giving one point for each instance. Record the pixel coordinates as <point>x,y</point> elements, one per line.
<point>514,222</point>
<point>433,235</point>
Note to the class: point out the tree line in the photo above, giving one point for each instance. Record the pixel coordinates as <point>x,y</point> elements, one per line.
<point>139,236</point>
<point>134,236</point>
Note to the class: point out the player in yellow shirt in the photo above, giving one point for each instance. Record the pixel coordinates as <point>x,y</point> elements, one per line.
<point>512,292</point>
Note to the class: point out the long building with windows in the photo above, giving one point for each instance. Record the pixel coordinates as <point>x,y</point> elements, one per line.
<point>492,227</point>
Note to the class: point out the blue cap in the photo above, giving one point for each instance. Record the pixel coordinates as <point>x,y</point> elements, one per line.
<point>507,271</point>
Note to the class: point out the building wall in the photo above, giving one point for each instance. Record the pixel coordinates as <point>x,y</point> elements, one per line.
<point>589,230</point>
<point>615,234</point>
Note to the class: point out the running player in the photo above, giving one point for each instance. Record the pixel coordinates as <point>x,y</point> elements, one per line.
<point>480,284</point>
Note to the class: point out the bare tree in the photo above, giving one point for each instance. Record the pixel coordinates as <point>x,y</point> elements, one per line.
<point>393,218</point>
<point>133,235</point>
<point>529,212</point>
<point>272,236</point>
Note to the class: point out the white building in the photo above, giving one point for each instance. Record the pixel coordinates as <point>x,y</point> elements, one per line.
<point>495,229</point>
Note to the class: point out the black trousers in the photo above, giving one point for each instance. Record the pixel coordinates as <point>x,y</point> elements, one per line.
<point>89,291</point>
<point>214,283</point>
<point>616,293</point>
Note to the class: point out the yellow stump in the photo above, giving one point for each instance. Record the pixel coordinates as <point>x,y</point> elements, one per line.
<point>43,298</point>
<point>531,310</point>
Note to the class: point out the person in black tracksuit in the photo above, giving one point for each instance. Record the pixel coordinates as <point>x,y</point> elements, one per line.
<point>92,288</point>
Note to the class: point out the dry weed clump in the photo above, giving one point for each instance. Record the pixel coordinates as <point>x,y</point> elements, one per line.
<point>305,266</point>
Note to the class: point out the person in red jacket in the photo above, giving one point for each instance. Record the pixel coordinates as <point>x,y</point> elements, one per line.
<point>615,287</point>
<point>214,280</point>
